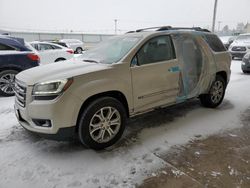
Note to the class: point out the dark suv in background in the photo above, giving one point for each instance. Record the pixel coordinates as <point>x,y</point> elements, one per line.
<point>14,58</point>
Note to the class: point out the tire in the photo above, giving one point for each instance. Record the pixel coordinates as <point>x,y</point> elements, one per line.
<point>96,115</point>
<point>216,93</point>
<point>7,82</point>
<point>79,50</point>
<point>245,72</point>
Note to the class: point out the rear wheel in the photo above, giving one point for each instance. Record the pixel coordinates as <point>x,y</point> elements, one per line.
<point>7,79</point>
<point>102,123</point>
<point>79,50</point>
<point>216,93</point>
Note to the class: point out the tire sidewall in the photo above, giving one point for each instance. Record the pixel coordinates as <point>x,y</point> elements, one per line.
<point>86,116</point>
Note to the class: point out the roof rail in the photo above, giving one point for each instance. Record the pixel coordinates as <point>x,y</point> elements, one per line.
<point>167,28</point>
<point>149,28</point>
<point>190,28</point>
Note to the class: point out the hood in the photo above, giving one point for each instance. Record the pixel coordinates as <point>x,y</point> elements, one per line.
<point>241,43</point>
<point>59,70</point>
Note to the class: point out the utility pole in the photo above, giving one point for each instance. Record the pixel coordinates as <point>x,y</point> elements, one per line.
<point>115,26</point>
<point>214,16</point>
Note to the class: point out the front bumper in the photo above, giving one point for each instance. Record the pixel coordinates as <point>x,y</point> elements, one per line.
<point>61,112</point>
<point>245,65</point>
<point>238,54</point>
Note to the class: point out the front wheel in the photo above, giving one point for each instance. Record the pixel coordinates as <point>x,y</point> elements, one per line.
<point>216,93</point>
<point>102,123</point>
<point>7,85</point>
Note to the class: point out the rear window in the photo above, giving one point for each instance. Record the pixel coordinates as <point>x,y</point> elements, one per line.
<point>5,47</point>
<point>215,43</point>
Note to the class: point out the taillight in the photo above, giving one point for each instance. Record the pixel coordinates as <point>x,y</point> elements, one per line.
<point>33,57</point>
<point>70,51</point>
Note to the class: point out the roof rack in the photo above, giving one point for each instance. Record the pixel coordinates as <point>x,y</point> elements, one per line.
<point>189,28</point>
<point>157,28</point>
<point>167,28</point>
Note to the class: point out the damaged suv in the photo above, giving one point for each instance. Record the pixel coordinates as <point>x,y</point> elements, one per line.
<point>92,96</point>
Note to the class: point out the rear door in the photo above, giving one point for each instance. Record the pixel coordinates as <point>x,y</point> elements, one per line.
<point>47,53</point>
<point>155,74</point>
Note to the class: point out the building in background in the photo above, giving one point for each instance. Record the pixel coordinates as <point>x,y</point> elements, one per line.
<point>247,28</point>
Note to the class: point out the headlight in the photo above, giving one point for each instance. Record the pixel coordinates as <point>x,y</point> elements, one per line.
<point>54,87</point>
<point>247,56</point>
<point>243,63</point>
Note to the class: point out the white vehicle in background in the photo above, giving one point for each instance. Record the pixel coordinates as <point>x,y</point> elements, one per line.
<point>74,44</point>
<point>227,40</point>
<point>50,52</point>
<point>240,46</point>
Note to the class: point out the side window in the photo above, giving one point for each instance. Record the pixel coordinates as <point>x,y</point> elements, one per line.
<point>156,50</point>
<point>5,47</point>
<point>46,47</point>
<point>35,46</point>
<point>56,47</point>
<point>215,43</point>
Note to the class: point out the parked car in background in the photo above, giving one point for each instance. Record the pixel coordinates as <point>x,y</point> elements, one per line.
<point>122,77</point>
<point>50,52</point>
<point>227,40</point>
<point>240,46</point>
<point>74,44</point>
<point>245,65</point>
<point>14,58</point>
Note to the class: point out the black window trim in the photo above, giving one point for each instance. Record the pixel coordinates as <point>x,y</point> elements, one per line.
<point>14,48</point>
<point>172,45</point>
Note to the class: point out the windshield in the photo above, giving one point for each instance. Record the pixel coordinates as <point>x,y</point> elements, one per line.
<point>111,50</point>
<point>243,37</point>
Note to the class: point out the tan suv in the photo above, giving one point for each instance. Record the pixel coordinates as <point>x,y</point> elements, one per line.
<point>92,96</point>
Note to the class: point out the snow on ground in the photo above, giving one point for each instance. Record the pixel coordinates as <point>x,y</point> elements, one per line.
<point>29,161</point>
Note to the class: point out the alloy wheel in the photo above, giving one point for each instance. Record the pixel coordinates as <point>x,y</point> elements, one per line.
<point>105,124</point>
<point>7,83</point>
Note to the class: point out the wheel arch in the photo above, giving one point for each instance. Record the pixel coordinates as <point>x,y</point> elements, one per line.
<point>60,59</point>
<point>114,94</point>
<point>223,74</point>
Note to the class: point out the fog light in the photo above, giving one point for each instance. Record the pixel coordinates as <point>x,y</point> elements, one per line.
<point>42,122</point>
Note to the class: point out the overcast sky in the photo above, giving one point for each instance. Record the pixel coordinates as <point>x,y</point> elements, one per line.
<point>98,16</point>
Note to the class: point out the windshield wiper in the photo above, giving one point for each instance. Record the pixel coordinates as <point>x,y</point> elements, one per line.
<point>90,61</point>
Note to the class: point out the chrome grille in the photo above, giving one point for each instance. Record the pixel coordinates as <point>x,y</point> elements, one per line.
<point>239,48</point>
<point>20,92</point>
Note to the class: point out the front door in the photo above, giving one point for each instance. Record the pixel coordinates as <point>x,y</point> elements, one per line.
<point>155,74</point>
